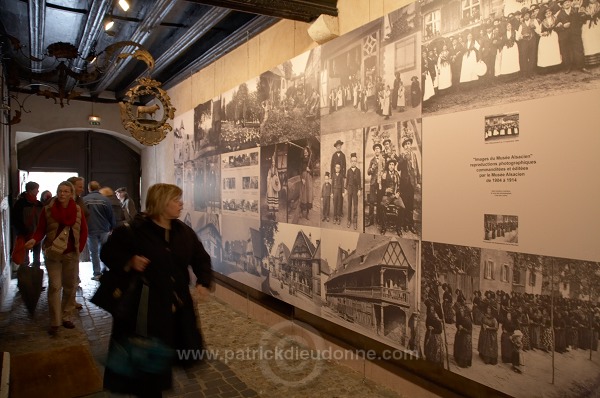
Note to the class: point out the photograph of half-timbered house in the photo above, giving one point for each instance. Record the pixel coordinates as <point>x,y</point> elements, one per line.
<point>373,289</point>
<point>294,266</point>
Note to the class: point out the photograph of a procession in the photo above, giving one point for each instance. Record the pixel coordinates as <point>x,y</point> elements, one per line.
<point>524,324</point>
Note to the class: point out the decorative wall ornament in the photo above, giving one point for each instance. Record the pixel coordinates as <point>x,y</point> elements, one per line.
<point>147,123</point>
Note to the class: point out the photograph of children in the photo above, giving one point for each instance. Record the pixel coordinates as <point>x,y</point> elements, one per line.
<point>342,155</point>
<point>274,182</point>
<point>501,127</point>
<point>368,72</point>
<point>289,99</point>
<point>501,228</point>
<point>393,177</point>
<point>478,55</point>
<point>303,182</point>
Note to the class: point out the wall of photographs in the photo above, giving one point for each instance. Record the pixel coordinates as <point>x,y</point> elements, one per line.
<point>427,180</point>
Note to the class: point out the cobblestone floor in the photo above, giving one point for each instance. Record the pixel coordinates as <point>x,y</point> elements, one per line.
<point>232,339</point>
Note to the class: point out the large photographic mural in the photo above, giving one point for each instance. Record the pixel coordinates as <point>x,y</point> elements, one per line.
<point>427,180</point>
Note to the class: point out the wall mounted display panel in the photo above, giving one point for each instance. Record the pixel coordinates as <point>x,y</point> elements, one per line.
<point>543,176</point>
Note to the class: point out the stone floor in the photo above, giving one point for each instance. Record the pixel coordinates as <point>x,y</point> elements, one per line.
<point>236,366</point>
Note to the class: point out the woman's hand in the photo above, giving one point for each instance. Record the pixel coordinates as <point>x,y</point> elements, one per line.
<point>139,263</point>
<point>202,293</point>
<point>29,244</point>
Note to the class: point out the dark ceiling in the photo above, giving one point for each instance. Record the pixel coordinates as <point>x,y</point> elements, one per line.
<point>183,36</point>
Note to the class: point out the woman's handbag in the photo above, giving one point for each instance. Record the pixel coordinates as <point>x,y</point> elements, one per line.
<point>114,286</point>
<point>59,244</point>
<point>136,355</point>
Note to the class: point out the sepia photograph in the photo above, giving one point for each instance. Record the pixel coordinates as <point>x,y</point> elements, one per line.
<point>501,127</point>
<point>524,324</point>
<point>370,73</point>
<point>501,228</point>
<point>482,53</point>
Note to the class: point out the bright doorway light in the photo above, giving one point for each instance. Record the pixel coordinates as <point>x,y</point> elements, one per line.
<point>124,5</point>
<point>48,180</point>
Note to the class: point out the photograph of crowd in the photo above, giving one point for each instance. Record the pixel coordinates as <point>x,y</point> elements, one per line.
<point>527,325</point>
<point>501,228</point>
<point>501,127</point>
<point>369,73</point>
<point>506,49</point>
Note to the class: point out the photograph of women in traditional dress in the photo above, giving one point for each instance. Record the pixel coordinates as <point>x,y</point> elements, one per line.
<point>294,272</point>
<point>499,228</point>
<point>483,53</point>
<point>207,193</point>
<point>501,127</point>
<point>238,197</point>
<point>273,183</point>
<point>368,72</point>
<point>303,184</point>
<point>523,324</point>
<point>239,114</point>
<point>182,145</point>
<point>372,284</point>
<point>289,100</point>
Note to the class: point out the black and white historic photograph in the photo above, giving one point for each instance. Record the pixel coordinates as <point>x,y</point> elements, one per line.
<point>294,269</point>
<point>273,185</point>
<point>372,286</point>
<point>369,72</point>
<point>242,250</point>
<point>302,182</point>
<point>501,127</point>
<point>500,228</point>
<point>238,195</point>
<point>207,128</point>
<point>239,115</point>
<point>479,53</point>
<point>523,324</point>
<point>342,174</point>
<point>393,179</point>
<point>289,100</point>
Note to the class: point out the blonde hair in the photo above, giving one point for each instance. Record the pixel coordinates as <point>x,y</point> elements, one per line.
<point>67,184</point>
<point>158,196</point>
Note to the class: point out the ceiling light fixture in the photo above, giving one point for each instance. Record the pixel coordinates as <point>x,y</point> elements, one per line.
<point>108,23</point>
<point>124,5</point>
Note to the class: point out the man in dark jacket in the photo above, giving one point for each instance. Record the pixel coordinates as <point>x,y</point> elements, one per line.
<point>25,215</point>
<point>101,221</point>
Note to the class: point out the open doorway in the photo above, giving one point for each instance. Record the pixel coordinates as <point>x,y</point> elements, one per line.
<point>47,180</point>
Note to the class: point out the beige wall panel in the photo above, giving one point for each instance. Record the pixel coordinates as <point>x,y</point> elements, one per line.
<point>277,45</point>
<point>303,41</point>
<point>203,85</point>
<point>375,9</point>
<point>253,47</point>
<point>181,97</point>
<point>232,69</point>
<point>346,355</point>
<point>352,14</point>
<point>391,5</point>
<point>394,381</point>
<point>231,298</point>
<point>264,315</point>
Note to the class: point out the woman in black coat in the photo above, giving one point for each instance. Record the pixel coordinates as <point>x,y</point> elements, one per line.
<point>157,248</point>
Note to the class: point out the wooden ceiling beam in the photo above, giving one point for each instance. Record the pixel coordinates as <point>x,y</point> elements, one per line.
<point>298,10</point>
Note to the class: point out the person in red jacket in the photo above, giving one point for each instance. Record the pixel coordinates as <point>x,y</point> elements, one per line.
<point>63,224</point>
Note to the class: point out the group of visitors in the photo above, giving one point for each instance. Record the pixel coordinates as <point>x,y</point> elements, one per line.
<point>127,243</point>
